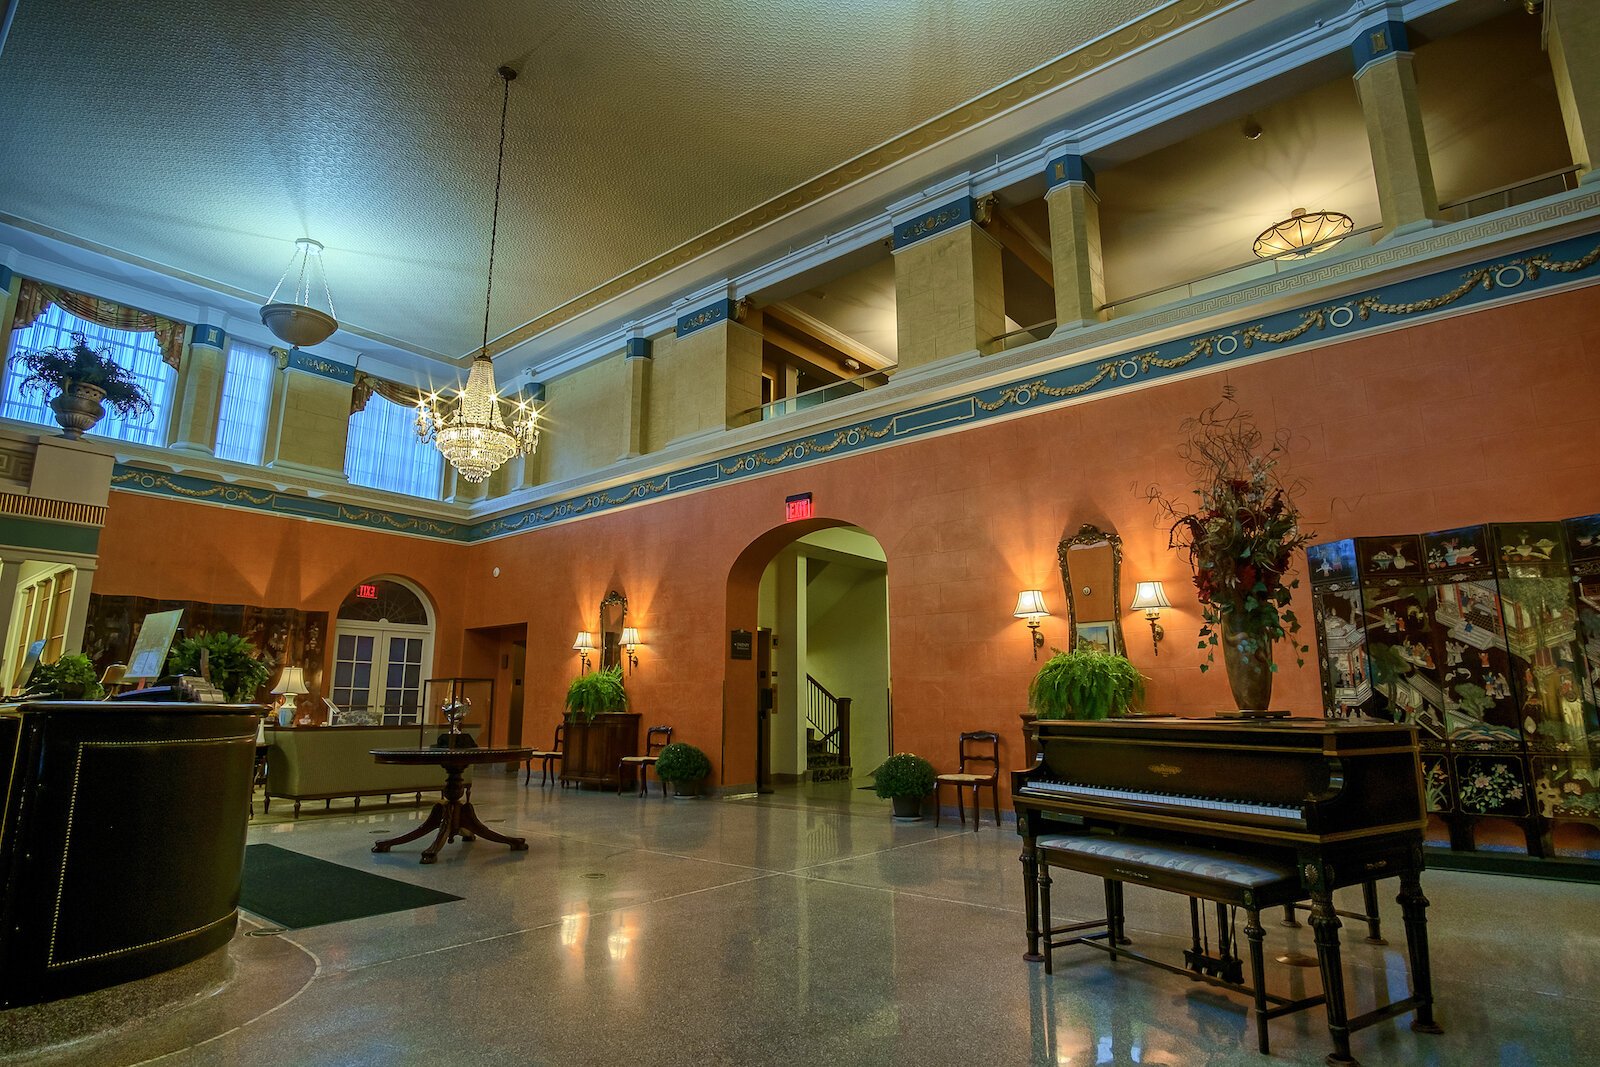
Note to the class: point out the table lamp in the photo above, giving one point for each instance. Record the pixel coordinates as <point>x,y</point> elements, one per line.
<point>290,686</point>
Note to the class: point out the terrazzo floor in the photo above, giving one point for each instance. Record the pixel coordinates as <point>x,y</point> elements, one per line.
<point>807,927</point>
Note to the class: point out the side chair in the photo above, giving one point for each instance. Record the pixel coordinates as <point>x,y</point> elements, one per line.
<point>977,747</point>
<point>655,739</point>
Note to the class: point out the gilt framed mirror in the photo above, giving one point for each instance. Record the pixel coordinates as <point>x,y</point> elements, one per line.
<point>613,610</point>
<point>1091,577</point>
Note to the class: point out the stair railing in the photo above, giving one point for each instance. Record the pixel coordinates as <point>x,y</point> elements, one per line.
<point>828,717</point>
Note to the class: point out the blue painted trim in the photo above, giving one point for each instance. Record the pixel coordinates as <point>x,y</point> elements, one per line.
<point>210,336</point>
<point>710,315</point>
<point>533,393</point>
<point>325,368</point>
<point>934,221</point>
<point>6,274</point>
<point>641,348</point>
<point>1412,301</point>
<point>1377,41</point>
<point>1069,168</point>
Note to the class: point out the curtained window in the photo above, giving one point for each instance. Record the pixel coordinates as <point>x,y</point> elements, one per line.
<point>383,451</point>
<point>246,398</point>
<point>139,351</point>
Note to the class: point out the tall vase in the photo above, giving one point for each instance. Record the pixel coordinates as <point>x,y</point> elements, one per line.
<point>1249,669</point>
<point>77,408</point>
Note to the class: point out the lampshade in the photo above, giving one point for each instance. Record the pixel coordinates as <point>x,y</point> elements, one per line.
<point>1030,605</point>
<point>1149,596</point>
<point>114,674</point>
<point>1302,235</point>
<point>630,637</point>
<point>584,643</point>
<point>292,683</point>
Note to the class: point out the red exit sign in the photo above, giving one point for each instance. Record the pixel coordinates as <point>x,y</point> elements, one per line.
<point>367,592</point>
<point>797,507</point>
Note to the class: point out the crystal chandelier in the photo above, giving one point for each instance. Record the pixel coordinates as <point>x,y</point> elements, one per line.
<point>1301,235</point>
<point>475,437</point>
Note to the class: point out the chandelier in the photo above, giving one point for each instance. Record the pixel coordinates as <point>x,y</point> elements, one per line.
<point>1301,235</point>
<point>298,322</point>
<point>474,436</point>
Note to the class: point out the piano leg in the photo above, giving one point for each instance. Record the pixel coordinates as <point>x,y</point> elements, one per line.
<point>1030,900</point>
<point>1121,932</point>
<point>1325,927</point>
<point>1369,900</point>
<point>1045,921</point>
<point>1414,906</point>
<point>1258,973</point>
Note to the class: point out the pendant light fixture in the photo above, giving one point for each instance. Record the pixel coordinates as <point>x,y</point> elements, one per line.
<point>297,321</point>
<point>475,437</point>
<point>1302,235</point>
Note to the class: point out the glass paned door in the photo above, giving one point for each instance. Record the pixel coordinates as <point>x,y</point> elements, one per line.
<point>378,671</point>
<point>402,697</point>
<point>352,671</point>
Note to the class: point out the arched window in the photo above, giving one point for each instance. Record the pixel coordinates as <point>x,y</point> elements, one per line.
<point>382,652</point>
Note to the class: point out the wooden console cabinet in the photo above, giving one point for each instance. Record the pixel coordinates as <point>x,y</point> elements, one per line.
<point>593,749</point>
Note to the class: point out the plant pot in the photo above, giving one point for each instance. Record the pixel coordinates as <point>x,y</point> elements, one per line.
<point>907,807</point>
<point>686,789</point>
<point>1249,670</point>
<point>78,408</point>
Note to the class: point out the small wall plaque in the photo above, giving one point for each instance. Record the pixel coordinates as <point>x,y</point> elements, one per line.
<point>740,645</point>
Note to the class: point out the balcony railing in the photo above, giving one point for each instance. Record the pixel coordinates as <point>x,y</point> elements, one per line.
<point>821,395</point>
<point>1514,195</point>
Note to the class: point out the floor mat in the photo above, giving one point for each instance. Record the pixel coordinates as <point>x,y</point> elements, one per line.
<point>293,890</point>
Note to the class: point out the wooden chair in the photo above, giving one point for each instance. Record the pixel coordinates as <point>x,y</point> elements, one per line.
<point>979,746</point>
<point>548,759</point>
<point>655,739</point>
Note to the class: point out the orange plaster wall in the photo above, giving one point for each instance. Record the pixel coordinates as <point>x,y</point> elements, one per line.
<point>1483,417</point>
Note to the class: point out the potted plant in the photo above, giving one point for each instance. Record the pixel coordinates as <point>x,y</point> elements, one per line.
<point>906,780</point>
<point>596,692</point>
<point>232,663</point>
<point>1241,537</point>
<point>81,380</point>
<point>71,677</point>
<point>1084,684</point>
<point>684,766</point>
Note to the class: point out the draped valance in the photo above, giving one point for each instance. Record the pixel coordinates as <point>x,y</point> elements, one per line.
<point>36,297</point>
<point>367,384</point>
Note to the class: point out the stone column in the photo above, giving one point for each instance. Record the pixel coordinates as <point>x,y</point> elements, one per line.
<point>1387,86</point>
<point>10,286</point>
<point>1075,242</point>
<point>1572,37</point>
<point>636,372</point>
<point>724,390</point>
<point>949,293</point>
<point>199,400</point>
<point>312,416</point>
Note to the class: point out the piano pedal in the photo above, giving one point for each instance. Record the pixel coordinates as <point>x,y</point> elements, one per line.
<point>1227,968</point>
<point>1297,959</point>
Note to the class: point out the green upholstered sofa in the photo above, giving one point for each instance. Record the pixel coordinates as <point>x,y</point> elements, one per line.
<point>327,762</point>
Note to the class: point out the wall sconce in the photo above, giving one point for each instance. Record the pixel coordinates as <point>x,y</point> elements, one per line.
<point>1150,598</point>
<point>583,646</point>
<point>630,641</point>
<point>1030,606</point>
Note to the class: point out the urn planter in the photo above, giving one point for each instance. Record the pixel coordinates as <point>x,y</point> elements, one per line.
<point>77,408</point>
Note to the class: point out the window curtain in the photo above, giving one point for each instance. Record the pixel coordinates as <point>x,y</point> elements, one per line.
<point>367,384</point>
<point>246,398</point>
<point>36,297</point>
<point>382,451</point>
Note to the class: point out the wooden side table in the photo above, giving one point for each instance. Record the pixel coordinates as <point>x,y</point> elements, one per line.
<point>453,816</point>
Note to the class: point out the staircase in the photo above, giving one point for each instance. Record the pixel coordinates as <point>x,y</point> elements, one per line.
<point>827,734</point>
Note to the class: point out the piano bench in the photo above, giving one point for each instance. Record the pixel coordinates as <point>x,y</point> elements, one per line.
<point>1227,878</point>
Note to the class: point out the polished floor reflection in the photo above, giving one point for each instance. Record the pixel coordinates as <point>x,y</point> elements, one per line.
<point>811,929</point>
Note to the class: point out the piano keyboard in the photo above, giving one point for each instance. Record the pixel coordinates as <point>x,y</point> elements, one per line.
<point>1068,789</point>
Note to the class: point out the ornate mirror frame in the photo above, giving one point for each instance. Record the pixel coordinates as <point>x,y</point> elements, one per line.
<point>1087,535</point>
<point>608,634</point>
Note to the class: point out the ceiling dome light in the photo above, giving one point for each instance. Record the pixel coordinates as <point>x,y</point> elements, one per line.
<point>475,437</point>
<point>1302,235</point>
<point>299,322</point>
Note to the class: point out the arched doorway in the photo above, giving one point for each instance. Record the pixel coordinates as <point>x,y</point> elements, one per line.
<point>807,612</point>
<point>382,651</point>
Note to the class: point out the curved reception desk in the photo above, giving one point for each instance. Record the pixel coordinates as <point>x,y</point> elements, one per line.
<point>122,833</point>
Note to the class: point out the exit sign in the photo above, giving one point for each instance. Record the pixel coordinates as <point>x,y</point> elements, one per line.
<point>367,592</point>
<point>797,507</point>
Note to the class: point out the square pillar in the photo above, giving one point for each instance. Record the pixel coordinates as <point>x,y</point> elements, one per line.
<point>636,386</point>
<point>1387,86</point>
<point>725,389</point>
<point>1077,262</point>
<point>312,416</point>
<point>199,400</point>
<point>948,287</point>
<point>1572,37</point>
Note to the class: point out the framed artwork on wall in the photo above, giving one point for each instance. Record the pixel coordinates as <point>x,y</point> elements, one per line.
<point>1100,636</point>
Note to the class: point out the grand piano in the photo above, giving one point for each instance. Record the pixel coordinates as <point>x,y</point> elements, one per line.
<point>1337,802</point>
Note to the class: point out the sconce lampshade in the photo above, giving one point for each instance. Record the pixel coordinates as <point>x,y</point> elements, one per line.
<point>292,683</point>
<point>114,674</point>
<point>1149,596</point>
<point>630,637</point>
<point>1030,605</point>
<point>584,642</point>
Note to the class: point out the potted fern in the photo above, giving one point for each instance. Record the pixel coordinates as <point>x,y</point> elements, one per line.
<point>685,766</point>
<point>906,780</point>
<point>81,380</point>
<point>1084,684</point>
<point>232,662</point>
<point>594,693</point>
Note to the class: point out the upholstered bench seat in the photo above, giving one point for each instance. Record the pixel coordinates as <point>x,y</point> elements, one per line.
<point>1140,856</point>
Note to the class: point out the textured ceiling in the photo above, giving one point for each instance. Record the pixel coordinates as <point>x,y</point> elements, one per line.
<point>207,136</point>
